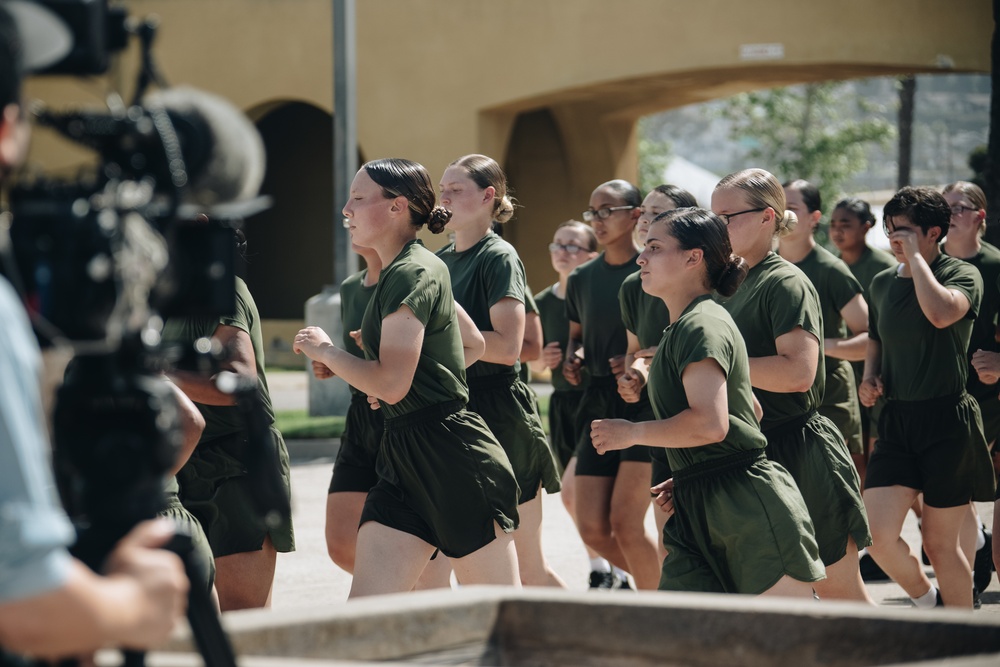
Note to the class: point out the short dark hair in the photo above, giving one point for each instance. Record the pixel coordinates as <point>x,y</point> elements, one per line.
<point>627,192</point>
<point>404,178</point>
<point>10,60</point>
<point>809,192</point>
<point>859,208</point>
<point>679,196</point>
<point>924,207</point>
<point>584,229</point>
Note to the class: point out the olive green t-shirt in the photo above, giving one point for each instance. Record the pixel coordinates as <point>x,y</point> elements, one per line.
<point>776,298</point>
<point>705,331</point>
<point>530,306</point>
<point>354,298</point>
<point>592,301</point>
<point>480,277</point>
<point>984,329</point>
<point>644,315</point>
<point>836,286</point>
<point>420,281</point>
<point>555,327</point>
<point>920,361</point>
<point>872,262</point>
<point>223,420</point>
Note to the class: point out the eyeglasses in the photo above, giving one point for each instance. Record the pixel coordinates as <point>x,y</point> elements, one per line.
<point>604,213</point>
<point>570,248</point>
<point>959,209</point>
<point>727,217</point>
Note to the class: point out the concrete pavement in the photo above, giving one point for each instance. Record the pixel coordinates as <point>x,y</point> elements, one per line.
<point>308,577</point>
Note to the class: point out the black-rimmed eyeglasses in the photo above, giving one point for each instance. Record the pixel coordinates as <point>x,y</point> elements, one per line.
<point>604,213</point>
<point>570,248</point>
<point>727,217</point>
<point>959,209</point>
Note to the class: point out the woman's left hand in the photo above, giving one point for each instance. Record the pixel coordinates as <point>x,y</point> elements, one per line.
<point>663,495</point>
<point>610,434</point>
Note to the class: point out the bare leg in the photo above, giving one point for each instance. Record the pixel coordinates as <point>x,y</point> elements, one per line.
<point>941,528</point>
<point>660,518</point>
<point>388,560</point>
<point>528,541</point>
<point>343,515</point>
<point>494,564</point>
<point>244,580</point>
<point>593,517</point>
<point>790,588</point>
<point>843,579</point>
<point>968,534</point>
<point>629,503</point>
<point>996,534</point>
<point>568,495</point>
<point>436,574</point>
<point>887,507</point>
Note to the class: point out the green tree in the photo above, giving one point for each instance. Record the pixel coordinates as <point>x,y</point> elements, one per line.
<point>654,156</point>
<point>808,131</point>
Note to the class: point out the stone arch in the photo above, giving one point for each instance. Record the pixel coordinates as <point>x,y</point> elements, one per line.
<point>290,245</point>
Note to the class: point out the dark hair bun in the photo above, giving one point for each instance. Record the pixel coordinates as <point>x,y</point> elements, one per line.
<point>732,276</point>
<point>438,218</point>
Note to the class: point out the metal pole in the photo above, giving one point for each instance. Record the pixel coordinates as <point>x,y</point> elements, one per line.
<point>345,134</point>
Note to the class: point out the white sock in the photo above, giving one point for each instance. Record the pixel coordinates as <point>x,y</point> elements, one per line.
<point>599,565</point>
<point>622,574</point>
<point>980,539</point>
<point>927,600</point>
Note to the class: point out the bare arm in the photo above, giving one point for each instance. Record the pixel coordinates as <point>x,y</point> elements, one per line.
<point>941,306</point>
<point>473,343</point>
<point>531,344</point>
<point>574,353</point>
<point>792,369</point>
<point>631,382</point>
<point>136,605</point>
<point>240,359</point>
<point>855,314</point>
<point>387,378</point>
<point>192,425</point>
<point>871,384</point>
<point>503,344</point>
<point>706,421</point>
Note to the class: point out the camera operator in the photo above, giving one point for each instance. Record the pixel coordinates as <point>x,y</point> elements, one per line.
<point>51,605</point>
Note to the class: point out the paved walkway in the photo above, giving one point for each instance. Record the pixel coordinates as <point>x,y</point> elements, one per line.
<point>308,577</point>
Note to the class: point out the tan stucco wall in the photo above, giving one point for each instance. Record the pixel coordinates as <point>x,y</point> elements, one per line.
<point>441,78</point>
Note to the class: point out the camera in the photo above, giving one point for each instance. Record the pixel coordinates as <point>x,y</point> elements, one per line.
<point>144,233</point>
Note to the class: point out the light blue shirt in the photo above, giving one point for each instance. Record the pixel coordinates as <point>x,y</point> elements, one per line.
<point>34,530</point>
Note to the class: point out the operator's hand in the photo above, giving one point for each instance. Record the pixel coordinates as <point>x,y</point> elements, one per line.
<point>156,579</point>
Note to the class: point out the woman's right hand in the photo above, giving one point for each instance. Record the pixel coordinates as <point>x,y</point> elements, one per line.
<point>310,341</point>
<point>663,496</point>
<point>552,355</point>
<point>870,390</point>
